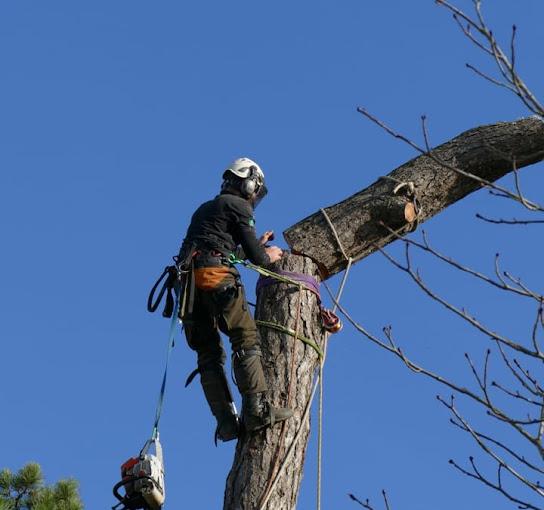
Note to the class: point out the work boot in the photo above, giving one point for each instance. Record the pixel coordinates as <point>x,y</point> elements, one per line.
<point>228,425</point>
<point>257,413</point>
<point>217,393</point>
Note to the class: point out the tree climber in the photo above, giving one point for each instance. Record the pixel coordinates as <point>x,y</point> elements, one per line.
<point>219,228</point>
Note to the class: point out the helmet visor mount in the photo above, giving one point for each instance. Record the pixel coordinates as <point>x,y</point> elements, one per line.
<point>259,195</point>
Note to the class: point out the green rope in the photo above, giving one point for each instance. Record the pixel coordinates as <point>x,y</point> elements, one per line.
<point>283,329</point>
<point>266,272</point>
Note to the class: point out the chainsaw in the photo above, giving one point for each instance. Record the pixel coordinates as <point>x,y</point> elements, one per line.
<point>142,479</point>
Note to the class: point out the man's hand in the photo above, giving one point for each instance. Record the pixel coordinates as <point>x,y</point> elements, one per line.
<point>267,236</point>
<point>274,253</point>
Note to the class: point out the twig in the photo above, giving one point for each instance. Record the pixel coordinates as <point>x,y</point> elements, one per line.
<point>471,320</point>
<point>531,485</point>
<point>513,221</point>
<point>438,161</point>
<point>490,46</point>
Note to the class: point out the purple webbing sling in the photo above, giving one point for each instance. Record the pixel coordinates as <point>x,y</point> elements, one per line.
<point>309,282</point>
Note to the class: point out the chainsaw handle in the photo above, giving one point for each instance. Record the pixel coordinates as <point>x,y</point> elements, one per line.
<point>127,480</point>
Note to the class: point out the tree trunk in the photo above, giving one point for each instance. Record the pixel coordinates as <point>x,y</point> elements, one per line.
<point>488,152</point>
<point>255,455</point>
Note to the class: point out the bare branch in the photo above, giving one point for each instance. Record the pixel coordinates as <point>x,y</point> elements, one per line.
<point>366,504</point>
<point>541,428</point>
<point>502,285</point>
<point>487,43</point>
<point>466,30</point>
<point>513,221</point>
<point>517,375</point>
<point>529,377</point>
<point>513,47</point>
<point>526,203</point>
<point>496,412</point>
<point>510,451</point>
<point>481,382</point>
<point>528,483</point>
<point>515,394</point>
<point>425,133</point>
<point>538,321</point>
<point>460,313</point>
<point>497,486</point>
<point>491,79</point>
<point>424,151</point>
<point>521,285</point>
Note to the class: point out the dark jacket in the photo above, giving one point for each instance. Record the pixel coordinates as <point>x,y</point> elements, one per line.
<point>224,224</point>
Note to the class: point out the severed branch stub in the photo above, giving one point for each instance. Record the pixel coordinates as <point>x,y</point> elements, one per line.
<point>441,177</point>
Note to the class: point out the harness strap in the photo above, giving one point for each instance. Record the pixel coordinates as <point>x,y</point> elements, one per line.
<point>152,304</point>
<point>171,343</point>
<point>192,376</point>
<point>169,305</point>
<point>189,294</point>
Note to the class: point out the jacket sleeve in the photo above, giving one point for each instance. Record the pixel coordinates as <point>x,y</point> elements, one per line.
<point>244,224</point>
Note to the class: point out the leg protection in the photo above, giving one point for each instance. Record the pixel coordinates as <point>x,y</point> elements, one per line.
<point>257,413</point>
<point>219,397</point>
<point>248,370</point>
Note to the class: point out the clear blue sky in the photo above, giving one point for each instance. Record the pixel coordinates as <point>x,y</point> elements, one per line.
<point>116,121</point>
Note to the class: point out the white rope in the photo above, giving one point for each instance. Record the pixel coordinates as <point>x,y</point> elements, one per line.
<point>312,396</point>
<point>320,419</point>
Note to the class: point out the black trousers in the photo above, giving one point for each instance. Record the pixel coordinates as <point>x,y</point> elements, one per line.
<point>225,310</point>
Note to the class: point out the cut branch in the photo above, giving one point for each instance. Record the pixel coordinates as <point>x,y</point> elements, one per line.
<point>443,176</point>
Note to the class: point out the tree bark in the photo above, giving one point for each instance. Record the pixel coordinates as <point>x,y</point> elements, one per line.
<point>488,152</point>
<point>255,454</point>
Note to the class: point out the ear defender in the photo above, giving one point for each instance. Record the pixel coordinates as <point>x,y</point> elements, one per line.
<point>251,184</point>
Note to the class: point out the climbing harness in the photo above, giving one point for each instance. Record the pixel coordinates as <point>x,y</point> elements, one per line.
<point>168,278</point>
<point>184,277</point>
<point>179,279</point>
<point>142,477</point>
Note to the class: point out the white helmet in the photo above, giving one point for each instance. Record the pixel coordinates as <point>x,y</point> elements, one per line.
<point>251,176</point>
<point>242,168</point>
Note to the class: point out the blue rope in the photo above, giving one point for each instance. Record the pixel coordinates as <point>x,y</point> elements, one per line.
<point>171,344</point>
